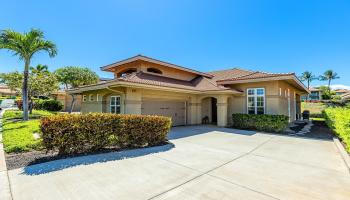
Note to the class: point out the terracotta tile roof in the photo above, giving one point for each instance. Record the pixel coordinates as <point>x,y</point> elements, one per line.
<point>230,73</point>
<point>200,83</point>
<point>342,90</point>
<point>240,74</point>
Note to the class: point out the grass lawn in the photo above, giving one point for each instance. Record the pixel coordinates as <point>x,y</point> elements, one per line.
<point>314,108</point>
<point>16,114</point>
<point>18,135</point>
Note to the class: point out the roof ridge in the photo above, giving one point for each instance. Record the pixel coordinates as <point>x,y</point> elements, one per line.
<point>235,68</point>
<point>272,73</point>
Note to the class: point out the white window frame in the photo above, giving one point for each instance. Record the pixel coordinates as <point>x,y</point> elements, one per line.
<point>84,98</point>
<point>115,104</point>
<point>255,95</point>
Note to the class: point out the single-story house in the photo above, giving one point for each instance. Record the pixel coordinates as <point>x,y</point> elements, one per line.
<point>345,96</point>
<point>147,86</point>
<point>66,100</point>
<point>315,95</point>
<point>6,91</point>
<point>341,91</point>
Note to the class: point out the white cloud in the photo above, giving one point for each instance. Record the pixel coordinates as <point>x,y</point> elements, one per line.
<point>340,86</point>
<point>336,86</point>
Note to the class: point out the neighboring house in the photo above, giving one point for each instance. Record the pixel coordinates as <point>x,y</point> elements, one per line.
<point>66,100</point>
<point>315,95</point>
<point>6,91</point>
<point>341,91</point>
<point>147,86</point>
<point>345,97</point>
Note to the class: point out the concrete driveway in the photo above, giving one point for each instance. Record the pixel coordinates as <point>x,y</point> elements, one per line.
<point>203,163</point>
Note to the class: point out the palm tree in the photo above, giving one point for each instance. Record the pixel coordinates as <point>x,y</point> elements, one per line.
<point>25,46</point>
<point>307,76</point>
<point>40,69</point>
<point>329,75</point>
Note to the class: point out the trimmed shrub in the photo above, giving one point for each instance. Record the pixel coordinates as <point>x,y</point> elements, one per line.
<point>41,104</point>
<point>50,105</point>
<point>268,123</point>
<point>74,133</point>
<point>338,119</point>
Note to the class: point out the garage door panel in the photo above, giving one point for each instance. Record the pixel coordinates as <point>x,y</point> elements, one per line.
<point>174,109</point>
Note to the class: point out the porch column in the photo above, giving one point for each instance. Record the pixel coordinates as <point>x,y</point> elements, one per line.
<point>194,111</point>
<point>222,110</point>
<point>133,100</point>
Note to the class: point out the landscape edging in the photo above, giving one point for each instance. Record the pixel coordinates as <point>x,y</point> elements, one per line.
<point>343,152</point>
<point>5,189</point>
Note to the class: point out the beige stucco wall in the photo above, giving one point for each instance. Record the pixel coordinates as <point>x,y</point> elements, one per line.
<point>206,108</point>
<point>239,102</point>
<point>197,105</point>
<point>276,103</point>
<point>166,71</point>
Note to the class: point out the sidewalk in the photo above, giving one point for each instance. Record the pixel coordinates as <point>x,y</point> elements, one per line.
<point>5,191</point>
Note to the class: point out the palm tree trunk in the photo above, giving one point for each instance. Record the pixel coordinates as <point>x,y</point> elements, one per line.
<point>308,87</point>
<point>25,90</point>
<point>329,86</point>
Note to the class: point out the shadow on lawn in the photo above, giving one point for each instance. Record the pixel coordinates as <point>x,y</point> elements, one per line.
<point>56,165</point>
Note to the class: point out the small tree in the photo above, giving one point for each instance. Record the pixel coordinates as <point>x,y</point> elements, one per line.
<point>329,75</point>
<point>308,77</point>
<point>40,83</point>
<point>72,77</point>
<point>25,46</point>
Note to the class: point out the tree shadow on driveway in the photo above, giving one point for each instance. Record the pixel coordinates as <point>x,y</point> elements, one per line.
<point>61,164</point>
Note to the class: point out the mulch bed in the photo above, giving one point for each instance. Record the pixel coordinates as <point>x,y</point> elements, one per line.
<point>320,131</point>
<point>18,160</point>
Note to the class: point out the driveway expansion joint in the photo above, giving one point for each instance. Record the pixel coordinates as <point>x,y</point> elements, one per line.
<point>215,168</point>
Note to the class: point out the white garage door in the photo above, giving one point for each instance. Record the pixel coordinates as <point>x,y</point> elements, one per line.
<point>173,109</point>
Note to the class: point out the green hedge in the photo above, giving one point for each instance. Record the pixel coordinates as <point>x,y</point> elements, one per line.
<point>70,134</point>
<point>50,105</point>
<point>43,104</point>
<point>338,119</point>
<point>268,123</point>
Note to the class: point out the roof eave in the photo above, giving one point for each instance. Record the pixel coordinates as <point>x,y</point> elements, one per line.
<point>147,59</point>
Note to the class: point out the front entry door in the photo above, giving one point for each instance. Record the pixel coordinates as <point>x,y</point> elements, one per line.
<point>214,111</point>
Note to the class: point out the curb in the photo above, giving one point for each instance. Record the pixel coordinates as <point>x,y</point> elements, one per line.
<point>343,152</point>
<point>5,190</point>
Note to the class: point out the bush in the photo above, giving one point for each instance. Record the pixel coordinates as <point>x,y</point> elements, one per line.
<point>71,134</point>
<point>268,123</point>
<point>50,105</point>
<point>40,104</point>
<point>338,119</point>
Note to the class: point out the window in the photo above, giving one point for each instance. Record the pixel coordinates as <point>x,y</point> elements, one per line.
<point>280,91</point>
<point>256,101</point>
<point>154,70</point>
<point>115,104</point>
<point>91,97</point>
<point>84,98</point>
<point>127,72</point>
<point>97,97</point>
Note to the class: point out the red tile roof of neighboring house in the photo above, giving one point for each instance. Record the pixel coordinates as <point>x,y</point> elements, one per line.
<point>342,90</point>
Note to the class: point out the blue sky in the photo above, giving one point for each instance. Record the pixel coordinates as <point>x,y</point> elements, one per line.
<point>274,36</point>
